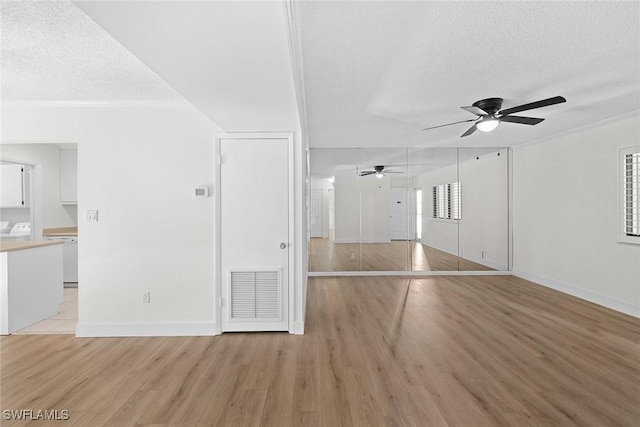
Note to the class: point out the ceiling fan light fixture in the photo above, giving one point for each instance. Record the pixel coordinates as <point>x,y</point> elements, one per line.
<point>487,124</point>
<point>379,175</point>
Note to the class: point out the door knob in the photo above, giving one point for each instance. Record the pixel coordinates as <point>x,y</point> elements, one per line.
<point>283,245</point>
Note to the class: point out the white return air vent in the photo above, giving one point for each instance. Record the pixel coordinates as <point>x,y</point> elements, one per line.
<point>255,295</point>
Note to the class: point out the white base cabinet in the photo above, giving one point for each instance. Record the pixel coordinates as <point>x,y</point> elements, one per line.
<point>30,286</point>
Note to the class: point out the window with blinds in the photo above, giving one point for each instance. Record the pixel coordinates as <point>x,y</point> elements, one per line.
<point>447,201</point>
<point>631,194</point>
<point>418,214</point>
<point>442,202</point>
<point>455,200</point>
<point>435,202</point>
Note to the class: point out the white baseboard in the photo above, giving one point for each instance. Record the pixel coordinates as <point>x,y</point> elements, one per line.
<point>406,273</point>
<point>362,241</point>
<point>450,252</point>
<point>584,294</point>
<point>487,262</point>
<point>298,328</point>
<point>146,329</point>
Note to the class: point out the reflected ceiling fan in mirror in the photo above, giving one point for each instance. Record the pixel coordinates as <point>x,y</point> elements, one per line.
<point>379,172</point>
<point>490,115</point>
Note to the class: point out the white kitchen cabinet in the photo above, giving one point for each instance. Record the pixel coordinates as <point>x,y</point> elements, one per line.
<point>68,177</point>
<point>13,190</point>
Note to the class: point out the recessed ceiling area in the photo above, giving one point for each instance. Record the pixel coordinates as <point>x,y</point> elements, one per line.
<point>377,73</point>
<point>52,51</point>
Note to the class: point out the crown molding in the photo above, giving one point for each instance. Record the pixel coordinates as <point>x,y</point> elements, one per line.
<point>297,68</point>
<point>98,103</point>
<point>580,129</point>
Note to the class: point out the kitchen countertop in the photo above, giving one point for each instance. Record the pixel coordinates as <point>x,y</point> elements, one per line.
<point>19,245</point>
<point>65,231</point>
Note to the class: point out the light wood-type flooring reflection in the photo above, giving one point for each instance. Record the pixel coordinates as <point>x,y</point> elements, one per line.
<point>326,255</point>
<point>442,351</point>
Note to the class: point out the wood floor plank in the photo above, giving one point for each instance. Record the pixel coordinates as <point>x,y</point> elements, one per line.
<point>437,351</point>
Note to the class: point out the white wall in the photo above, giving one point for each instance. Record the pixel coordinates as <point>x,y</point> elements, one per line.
<point>482,234</point>
<point>565,216</point>
<point>484,229</point>
<point>54,214</point>
<point>362,209</point>
<point>138,167</point>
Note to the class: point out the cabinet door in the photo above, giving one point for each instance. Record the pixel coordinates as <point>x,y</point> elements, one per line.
<point>12,190</point>
<point>68,177</point>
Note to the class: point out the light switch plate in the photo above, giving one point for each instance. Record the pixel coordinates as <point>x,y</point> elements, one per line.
<point>92,215</point>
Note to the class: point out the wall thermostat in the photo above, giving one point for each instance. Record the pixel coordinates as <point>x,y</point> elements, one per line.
<point>201,191</point>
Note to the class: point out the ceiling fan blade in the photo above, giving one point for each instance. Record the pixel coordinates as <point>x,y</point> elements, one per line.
<point>532,105</point>
<point>521,120</point>
<point>469,131</point>
<point>365,173</point>
<point>475,110</point>
<point>391,172</point>
<point>449,124</point>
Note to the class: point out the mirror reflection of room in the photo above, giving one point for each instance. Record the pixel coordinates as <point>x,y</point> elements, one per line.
<point>435,209</point>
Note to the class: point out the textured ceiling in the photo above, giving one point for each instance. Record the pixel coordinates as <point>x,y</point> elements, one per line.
<point>376,73</point>
<point>52,51</point>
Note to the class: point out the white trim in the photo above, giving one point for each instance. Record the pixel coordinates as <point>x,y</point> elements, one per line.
<point>146,329</point>
<point>291,247</point>
<point>406,273</point>
<point>4,293</point>
<point>584,294</point>
<point>298,328</point>
<point>622,236</point>
<point>99,103</point>
<point>450,252</point>
<point>374,240</point>
<point>444,220</point>
<point>488,263</point>
<point>297,65</point>
<point>586,127</point>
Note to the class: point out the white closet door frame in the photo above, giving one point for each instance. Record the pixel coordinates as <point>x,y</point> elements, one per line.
<point>217,264</point>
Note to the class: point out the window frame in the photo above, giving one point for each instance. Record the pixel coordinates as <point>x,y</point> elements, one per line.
<point>445,208</point>
<point>623,237</point>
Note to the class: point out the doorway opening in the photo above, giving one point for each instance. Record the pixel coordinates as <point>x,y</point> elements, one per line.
<point>52,215</point>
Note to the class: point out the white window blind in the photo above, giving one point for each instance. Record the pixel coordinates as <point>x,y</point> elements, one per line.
<point>455,201</point>
<point>447,201</point>
<point>435,201</point>
<point>418,214</point>
<point>442,203</point>
<point>631,191</point>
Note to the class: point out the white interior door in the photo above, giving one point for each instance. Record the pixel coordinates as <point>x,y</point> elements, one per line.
<point>316,213</point>
<point>254,234</point>
<point>399,214</point>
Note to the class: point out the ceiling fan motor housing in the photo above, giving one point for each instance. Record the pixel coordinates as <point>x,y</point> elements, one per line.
<point>490,105</point>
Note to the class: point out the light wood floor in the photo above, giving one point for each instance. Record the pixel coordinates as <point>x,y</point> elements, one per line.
<point>456,351</point>
<point>325,255</point>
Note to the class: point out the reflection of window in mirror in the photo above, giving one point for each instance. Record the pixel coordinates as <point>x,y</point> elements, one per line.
<point>447,201</point>
<point>418,215</point>
<point>630,171</point>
